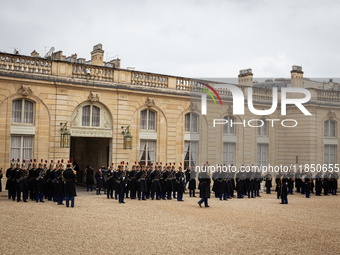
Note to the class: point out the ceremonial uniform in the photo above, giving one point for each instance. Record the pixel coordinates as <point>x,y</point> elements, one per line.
<point>39,188</point>
<point>334,183</point>
<point>120,188</point>
<point>141,184</point>
<point>100,181</point>
<point>109,183</point>
<point>278,185</point>
<point>268,184</point>
<point>192,183</point>
<point>10,173</point>
<point>290,183</point>
<point>298,182</point>
<point>204,187</point>
<point>89,178</point>
<point>318,184</point>
<point>240,184</point>
<point>70,177</point>
<point>284,192</point>
<point>59,185</point>
<point>308,185</point>
<point>133,182</point>
<point>250,184</point>
<point>180,184</point>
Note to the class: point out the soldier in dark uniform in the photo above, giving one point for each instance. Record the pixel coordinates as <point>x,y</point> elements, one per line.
<point>168,176</point>
<point>20,176</point>
<point>222,178</point>
<point>278,184</point>
<point>121,178</point>
<point>180,179</point>
<point>59,184</point>
<point>39,188</point>
<point>334,183</point>
<point>173,182</point>
<point>100,180</point>
<point>257,182</point>
<point>240,184</point>
<point>298,182</point>
<point>308,184</point>
<point>325,184</point>
<point>133,182</point>
<point>154,187</point>
<point>89,177</point>
<point>9,183</point>
<point>230,186</point>
<point>268,184</point>
<point>204,187</point>
<point>318,184</point>
<point>283,192</point>
<point>70,177</point>
<point>141,183</point>
<point>290,182</point>
<point>104,177</point>
<point>192,183</point>
<point>187,176</point>
<point>216,184</point>
<point>50,182</point>
<point>1,175</point>
<point>109,182</point>
<point>250,184</point>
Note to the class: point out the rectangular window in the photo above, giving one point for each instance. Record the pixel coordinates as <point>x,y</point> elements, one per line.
<point>95,116</point>
<point>147,152</point>
<point>86,116</point>
<point>190,154</point>
<point>16,111</point>
<point>262,130</point>
<point>194,123</point>
<point>143,120</point>
<point>152,121</point>
<point>330,154</point>
<point>262,154</point>
<point>228,153</point>
<point>187,123</point>
<point>28,112</point>
<point>21,148</point>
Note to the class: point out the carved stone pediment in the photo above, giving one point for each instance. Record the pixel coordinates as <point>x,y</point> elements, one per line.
<point>150,101</point>
<point>24,90</point>
<point>93,97</point>
<point>331,114</point>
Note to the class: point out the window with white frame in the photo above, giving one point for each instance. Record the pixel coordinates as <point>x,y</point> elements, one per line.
<point>191,123</point>
<point>330,128</point>
<point>148,120</point>
<point>91,116</point>
<point>262,154</point>
<point>330,154</point>
<point>21,148</point>
<point>23,111</point>
<point>228,153</point>
<point>190,154</point>
<point>147,152</point>
<point>262,129</point>
<point>227,128</point>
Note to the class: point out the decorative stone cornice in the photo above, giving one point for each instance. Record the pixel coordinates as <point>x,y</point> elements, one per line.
<point>25,90</point>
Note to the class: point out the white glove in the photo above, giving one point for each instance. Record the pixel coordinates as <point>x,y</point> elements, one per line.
<point>123,178</point>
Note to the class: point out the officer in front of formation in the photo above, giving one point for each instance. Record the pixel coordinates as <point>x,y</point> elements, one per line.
<point>10,184</point>
<point>69,177</point>
<point>204,187</point>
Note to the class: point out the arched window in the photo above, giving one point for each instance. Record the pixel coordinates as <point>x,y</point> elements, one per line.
<point>91,116</point>
<point>23,111</point>
<point>330,128</point>
<point>148,120</point>
<point>229,128</point>
<point>262,129</point>
<point>191,122</point>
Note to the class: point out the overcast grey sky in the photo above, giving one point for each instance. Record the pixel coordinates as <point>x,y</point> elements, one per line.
<point>184,38</point>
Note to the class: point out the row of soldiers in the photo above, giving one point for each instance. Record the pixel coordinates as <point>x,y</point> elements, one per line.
<point>41,180</point>
<point>142,182</point>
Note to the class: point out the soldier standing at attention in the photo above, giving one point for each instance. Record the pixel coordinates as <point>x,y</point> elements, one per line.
<point>180,184</point>
<point>104,171</point>
<point>204,187</point>
<point>278,184</point>
<point>268,180</point>
<point>100,181</point>
<point>89,177</point>
<point>284,193</point>
<point>70,177</point>
<point>9,183</point>
<point>109,182</point>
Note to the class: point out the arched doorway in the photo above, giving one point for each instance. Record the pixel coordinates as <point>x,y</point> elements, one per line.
<point>91,136</point>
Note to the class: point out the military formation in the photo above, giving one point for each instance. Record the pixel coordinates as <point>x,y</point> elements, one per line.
<point>159,182</point>
<point>41,181</point>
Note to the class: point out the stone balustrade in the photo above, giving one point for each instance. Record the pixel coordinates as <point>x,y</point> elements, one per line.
<point>149,79</point>
<point>328,95</point>
<point>92,72</point>
<point>25,64</point>
<point>261,93</point>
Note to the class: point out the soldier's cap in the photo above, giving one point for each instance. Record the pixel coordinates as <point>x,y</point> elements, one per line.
<point>18,164</point>
<point>30,163</point>
<point>34,164</point>
<point>23,165</point>
<point>68,165</point>
<point>12,164</point>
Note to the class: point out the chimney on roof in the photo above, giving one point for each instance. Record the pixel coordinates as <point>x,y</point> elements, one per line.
<point>97,55</point>
<point>115,62</point>
<point>245,77</point>
<point>34,54</point>
<point>57,55</point>
<point>296,77</point>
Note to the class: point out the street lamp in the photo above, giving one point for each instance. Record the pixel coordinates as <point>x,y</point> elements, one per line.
<point>127,138</point>
<point>64,136</point>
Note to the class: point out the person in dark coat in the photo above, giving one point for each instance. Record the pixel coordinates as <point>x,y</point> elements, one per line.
<point>59,184</point>
<point>290,182</point>
<point>284,192</point>
<point>308,184</point>
<point>133,182</point>
<point>89,178</point>
<point>187,176</point>
<point>100,180</point>
<point>192,183</point>
<point>334,183</point>
<point>298,182</point>
<point>141,183</point>
<point>31,181</point>
<point>109,182</point>
<point>240,184</point>
<point>121,181</point>
<point>180,180</point>
<point>268,182</point>
<point>318,184</point>
<point>154,187</point>
<point>250,184</point>
<point>204,187</point>
<point>70,177</point>
<point>216,184</point>
<point>173,182</point>
<point>22,185</point>
<point>278,185</point>
<point>10,175</point>
<point>104,171</point>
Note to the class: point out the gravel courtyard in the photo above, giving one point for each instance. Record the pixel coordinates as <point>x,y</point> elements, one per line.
<point>238,226</point>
